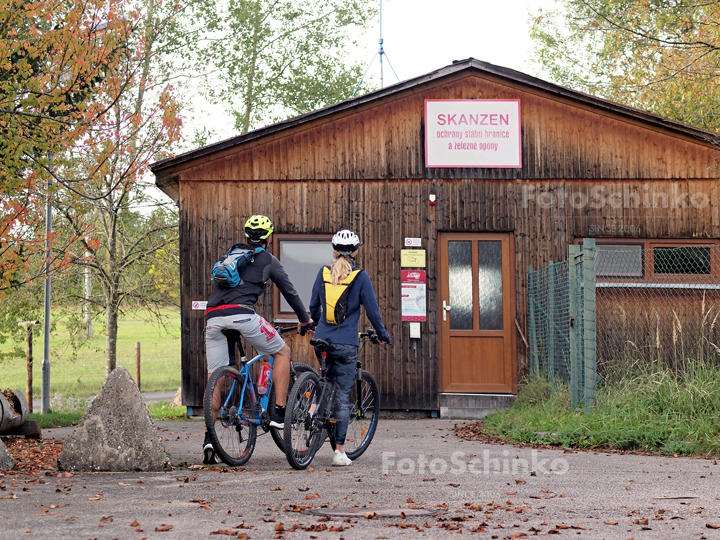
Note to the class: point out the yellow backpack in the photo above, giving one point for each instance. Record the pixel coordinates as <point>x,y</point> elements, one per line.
<point>336,296</point>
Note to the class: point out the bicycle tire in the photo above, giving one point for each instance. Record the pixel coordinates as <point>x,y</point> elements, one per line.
<point>232,437</point>
<point>363,423</point>
<point>278,436</point>
<point>302,443</point>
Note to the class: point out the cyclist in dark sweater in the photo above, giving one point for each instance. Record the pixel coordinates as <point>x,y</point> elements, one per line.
<point>343,338</point>
<point>234,308</point>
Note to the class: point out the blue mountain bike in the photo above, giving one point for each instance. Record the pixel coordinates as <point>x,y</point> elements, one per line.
<point>234,409</point>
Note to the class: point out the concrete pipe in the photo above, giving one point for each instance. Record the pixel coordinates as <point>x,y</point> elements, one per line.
<point>6,414</point>
<point>21,406</point>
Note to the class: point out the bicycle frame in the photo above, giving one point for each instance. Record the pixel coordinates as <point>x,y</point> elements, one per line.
<point>247,381</point>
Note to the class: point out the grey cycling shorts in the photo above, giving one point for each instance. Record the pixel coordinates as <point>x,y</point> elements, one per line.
<point>259,333</point>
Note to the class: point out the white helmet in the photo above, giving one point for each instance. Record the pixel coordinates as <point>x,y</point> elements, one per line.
<point>345,242</point>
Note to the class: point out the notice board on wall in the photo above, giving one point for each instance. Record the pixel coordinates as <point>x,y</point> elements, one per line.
<point>414,295</point>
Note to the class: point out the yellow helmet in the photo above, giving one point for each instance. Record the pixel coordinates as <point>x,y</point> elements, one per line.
<point>258,228</point>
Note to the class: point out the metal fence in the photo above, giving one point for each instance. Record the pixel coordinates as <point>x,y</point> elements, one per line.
<point>617,310</point>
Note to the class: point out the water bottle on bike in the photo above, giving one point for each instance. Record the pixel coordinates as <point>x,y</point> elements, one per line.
<point>263,378</point>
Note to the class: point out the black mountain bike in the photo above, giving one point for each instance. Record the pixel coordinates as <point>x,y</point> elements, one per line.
<point>239,409</point>
<point>310,408</point>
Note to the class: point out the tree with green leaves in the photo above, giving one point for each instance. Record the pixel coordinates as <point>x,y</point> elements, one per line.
<point>272,59</point>
<point>659,55</point>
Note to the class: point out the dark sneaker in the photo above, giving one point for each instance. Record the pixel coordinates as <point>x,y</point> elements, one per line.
<point>209,457</point>
<point>277,421</point>
<point>277,418</point>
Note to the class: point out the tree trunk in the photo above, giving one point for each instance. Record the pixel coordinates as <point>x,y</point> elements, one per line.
<point>111,328</point>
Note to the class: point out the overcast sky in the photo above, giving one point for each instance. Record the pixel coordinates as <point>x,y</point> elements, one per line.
<point>424,35</point>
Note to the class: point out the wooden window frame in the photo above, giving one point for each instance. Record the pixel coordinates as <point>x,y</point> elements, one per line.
<point>649,276</point>
<point>283,316</point>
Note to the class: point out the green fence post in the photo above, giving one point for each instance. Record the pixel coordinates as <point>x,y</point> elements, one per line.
<point>532,290</point>
<point>589,318</point>
<point>573,252</point>
<point>551,322</point>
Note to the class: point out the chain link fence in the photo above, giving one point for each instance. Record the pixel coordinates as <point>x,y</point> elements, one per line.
<point>658,306</point>
<point>616,310</point>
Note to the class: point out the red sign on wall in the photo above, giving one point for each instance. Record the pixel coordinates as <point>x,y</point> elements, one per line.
<point>413,296</point>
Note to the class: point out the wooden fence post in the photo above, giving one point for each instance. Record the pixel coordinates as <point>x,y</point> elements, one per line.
<point>29,361</point>
<point>137,364</point>
<point>589,320</point>
<point>573,252</point>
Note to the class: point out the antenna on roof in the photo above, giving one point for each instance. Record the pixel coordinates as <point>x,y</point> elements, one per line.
<point>380,53</point>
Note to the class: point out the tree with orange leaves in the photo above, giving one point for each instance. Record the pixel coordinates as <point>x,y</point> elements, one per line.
<point>54,58</point>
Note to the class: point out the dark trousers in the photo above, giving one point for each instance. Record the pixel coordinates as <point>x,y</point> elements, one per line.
<point>341,362</point>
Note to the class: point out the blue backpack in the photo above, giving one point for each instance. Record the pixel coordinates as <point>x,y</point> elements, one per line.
<point>227,272</point>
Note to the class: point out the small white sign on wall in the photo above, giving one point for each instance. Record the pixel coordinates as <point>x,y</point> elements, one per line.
<point>413,242</point>
<point>198,304</point>
<point>473,133</point>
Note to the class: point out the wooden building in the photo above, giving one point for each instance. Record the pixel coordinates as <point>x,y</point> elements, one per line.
<point>586,167</point>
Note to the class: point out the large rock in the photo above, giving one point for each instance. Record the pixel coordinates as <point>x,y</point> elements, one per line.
<point>177,400</point>
<point>116,433</point>
<point>7,463</point>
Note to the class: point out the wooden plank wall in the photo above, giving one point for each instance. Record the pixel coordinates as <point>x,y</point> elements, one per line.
<point>364,169</point>
<point>384,212</point>
<point>561,139</point>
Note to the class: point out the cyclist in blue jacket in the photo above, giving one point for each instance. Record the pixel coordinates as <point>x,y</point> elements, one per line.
<point>343,338</point>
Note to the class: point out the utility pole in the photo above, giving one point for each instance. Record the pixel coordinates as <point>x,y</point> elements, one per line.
<point>380,53</point>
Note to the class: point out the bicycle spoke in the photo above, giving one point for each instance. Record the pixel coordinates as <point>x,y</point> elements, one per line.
<point>363,419</point>
<point>302,434</point>
<point>229,411</point>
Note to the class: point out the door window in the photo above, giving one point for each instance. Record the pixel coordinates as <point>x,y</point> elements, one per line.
<point>490,293</point>
<point>461,286</point>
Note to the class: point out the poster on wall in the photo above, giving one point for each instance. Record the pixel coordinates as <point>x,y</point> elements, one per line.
<point>473,133</point>
<point>413,295</point>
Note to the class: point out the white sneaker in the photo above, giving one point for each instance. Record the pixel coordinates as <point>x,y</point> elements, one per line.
<point>341,460</point>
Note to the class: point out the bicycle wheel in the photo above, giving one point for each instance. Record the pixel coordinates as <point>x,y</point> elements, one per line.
<point>364,416</point>
<point>232,436</point>
<point>277,434</point>
<point>303,435</point>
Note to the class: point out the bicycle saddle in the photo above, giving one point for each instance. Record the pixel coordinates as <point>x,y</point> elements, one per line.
<point>321,344</point>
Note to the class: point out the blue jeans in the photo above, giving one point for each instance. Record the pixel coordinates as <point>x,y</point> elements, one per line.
<point>341,362</point>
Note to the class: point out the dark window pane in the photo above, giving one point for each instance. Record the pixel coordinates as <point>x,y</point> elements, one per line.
<point>490,307</point>
<point>302,260</point>
<point>682,260</point>
<point>461,286</point>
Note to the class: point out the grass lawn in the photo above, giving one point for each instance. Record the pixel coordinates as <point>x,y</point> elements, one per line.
<point>657,411</point>
<point>85,374</point>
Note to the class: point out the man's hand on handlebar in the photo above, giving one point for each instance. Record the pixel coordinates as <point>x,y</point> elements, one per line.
<point>387,341</point>
<point>305,327</point>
